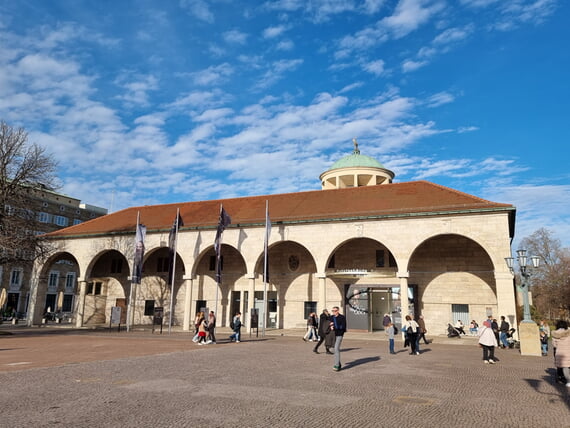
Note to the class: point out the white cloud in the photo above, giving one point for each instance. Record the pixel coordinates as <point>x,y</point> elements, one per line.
<point>272,32</point>
<point>285,45</point>
<point>409,65</point>
<point>213,75</point>
<point>439,99</point>
<point>453,35</point>
<point>235,37</point>
<point>198,9</point>
<point>410,15</point>
<point>374,67</point>
<point>537,206</point>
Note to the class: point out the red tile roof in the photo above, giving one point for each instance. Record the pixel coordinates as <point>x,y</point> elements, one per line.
<point>396,199</point>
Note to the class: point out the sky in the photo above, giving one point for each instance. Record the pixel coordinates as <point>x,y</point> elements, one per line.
<point>148,102</point>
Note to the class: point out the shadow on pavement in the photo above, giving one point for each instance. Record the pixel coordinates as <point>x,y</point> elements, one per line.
<point>359,362</point>
<point>561,393</point>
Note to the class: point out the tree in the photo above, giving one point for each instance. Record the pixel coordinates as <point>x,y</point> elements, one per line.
<point>551,281</point>
<point>24,167</point>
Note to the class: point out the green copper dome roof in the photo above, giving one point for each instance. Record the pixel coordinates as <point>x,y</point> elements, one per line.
<point>356,160</point>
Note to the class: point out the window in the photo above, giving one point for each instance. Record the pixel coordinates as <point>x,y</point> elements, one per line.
<point>76,221</point>
<point>310,307</point>
<point>16,278</point>
<point>62,208</point>
<point>380,258</point>
<point>67,303</point>
<point>60,220</point>
<point>53,279</point>
<point>94,288</point>
<point>116,265</point>
<point>162,264</point>
<point>70,281</point>
<point>149,307</point>
<point>460,312</point>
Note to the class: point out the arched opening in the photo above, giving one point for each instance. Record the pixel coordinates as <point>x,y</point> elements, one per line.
<point>292,282</point>
<point>363,272</point>
<point>57,289</point>
<point>230,294</point>
<point>452,277</point>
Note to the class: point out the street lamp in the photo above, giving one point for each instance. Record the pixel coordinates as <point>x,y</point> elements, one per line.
<point>525,271</point>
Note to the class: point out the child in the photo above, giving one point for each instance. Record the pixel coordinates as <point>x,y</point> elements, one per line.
<point>544,342</point>
<point>390,332</point>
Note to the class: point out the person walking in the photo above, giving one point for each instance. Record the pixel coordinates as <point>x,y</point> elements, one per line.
<point>324,329</point>
<point>503,330</point>
<point>561,345</point>
<point>338,326</point>
<point>202,330</point>
<point>423,331</point>
<point>211,328</point>
<point>488,342</point>
<point>236,327</point>
<point>197,321</point>
<point>460,327</point>
<point>412,333</point>
<point>312,325</point>
<point>390,331</point>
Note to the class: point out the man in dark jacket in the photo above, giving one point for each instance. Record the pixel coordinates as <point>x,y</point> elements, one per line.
<point>503,330</point>
<point>324,329</point>
<point>338,326</point>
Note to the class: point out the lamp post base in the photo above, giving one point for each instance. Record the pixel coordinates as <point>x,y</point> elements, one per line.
<point>530,339</point>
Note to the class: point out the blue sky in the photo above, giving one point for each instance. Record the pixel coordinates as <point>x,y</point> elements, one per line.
<point>145,102</point>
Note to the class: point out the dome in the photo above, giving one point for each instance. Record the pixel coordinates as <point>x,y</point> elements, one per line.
<point>356,160</point>
<point>355,170</point>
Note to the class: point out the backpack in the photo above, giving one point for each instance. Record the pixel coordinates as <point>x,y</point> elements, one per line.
<point>395,329</point>
<point>232,324</point>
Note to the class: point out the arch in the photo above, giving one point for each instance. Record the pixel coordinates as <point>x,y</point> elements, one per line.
<point>452,272</point>
<point>57,286</point>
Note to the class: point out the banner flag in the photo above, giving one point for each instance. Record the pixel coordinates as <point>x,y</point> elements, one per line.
<point>139,253</point>
<point>172,238</point>
<point>225,221</point>
<point>266,244</point>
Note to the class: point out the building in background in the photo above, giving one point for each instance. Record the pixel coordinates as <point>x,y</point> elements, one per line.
<point>364,243</point>
<point>51,211</point>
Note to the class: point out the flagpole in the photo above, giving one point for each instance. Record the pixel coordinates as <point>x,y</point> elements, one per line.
<point>173,270</point>
<point>218,268</point>
<point>265,250</point>
<point>132,295</point>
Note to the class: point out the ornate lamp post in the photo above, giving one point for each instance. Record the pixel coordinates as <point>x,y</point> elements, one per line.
<point>525,274</point>
<point>528,330</point>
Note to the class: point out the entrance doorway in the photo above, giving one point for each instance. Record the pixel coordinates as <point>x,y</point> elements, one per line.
<point>366,306</point>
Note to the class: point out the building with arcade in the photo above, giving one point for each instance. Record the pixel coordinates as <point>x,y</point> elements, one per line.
<point>362,242</point>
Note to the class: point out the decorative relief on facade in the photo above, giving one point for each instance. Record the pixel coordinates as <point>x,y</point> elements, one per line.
<point>293,262</point>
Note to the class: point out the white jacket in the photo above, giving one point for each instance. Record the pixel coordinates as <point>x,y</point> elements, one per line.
<point>487,336</point>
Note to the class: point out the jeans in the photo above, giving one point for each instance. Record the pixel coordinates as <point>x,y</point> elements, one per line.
<point>391,345</point>
<point>338,341</point>
<point>236,335</point>
<point>544,347</point>
<point>503,337</point>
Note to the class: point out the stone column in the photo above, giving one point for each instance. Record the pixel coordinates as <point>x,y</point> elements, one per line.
<point>404,293</point>
<point>506,302</point>
<point>251,295</point>
<point>322,302</point>
<point>188,283</point>
<point>34,309</point>
<point>80,314</point>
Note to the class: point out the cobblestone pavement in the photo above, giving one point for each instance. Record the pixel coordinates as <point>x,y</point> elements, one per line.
<point>88,378</point>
